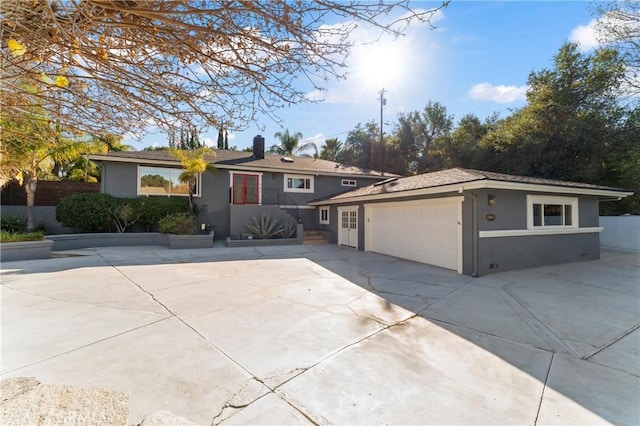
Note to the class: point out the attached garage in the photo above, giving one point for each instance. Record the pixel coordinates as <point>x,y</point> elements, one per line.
<point>427,231</point>
<point>471,221</point>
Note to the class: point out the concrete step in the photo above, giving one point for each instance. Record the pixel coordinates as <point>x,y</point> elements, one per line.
<point>315,242</point>
<point>313,238</point>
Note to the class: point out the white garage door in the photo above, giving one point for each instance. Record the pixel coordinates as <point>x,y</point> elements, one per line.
<point>427,231</point>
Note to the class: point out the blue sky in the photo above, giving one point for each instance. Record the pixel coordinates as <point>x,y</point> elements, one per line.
<point>476,61</point>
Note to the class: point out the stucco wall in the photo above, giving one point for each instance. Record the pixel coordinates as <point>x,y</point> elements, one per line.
<point>620,232</point>
<point>120,180</point>
<point>512,253</point>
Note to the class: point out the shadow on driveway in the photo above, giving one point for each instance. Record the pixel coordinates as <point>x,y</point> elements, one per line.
<point>324,334</point>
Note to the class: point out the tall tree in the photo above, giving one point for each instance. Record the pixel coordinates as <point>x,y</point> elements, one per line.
<point>29,148</point>
<point>117,64</point>
<point>619,26</point>
<point>290,144</point>
<point>331,149</point>
<point>185,138</point>
<point>570,123</point>
<point>361,148</point>
<point>220,138</point>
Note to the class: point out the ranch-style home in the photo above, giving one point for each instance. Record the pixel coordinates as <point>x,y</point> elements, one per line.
<point>243,185</point>
<point>473,222</point>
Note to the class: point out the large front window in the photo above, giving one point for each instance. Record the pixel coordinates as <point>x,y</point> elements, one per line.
<point>298,183</point>
<point>545,211</point>
<point>163,181</point>
<point>246,188</point>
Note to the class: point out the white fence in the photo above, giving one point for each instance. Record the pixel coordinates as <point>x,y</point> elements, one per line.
<point>620,232</point>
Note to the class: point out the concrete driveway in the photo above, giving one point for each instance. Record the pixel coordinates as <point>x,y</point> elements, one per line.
<point>327,335</point>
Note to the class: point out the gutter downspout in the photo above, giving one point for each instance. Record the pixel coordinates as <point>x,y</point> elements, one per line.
<point>474,233</point>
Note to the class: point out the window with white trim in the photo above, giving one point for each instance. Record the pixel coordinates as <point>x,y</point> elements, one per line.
<point>324,215</point>
<point>298,183</point>
<point>163,181</point>
<point>349,182</point>
<point>547,211</point>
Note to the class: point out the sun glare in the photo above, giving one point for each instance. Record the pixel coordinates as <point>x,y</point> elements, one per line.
<point>381,64</point>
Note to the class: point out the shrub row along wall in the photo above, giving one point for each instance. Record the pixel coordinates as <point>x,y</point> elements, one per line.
<point>48,193</point>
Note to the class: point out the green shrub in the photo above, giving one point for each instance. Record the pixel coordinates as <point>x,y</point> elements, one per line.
<point>96,212</point>
<point>152,209</point>
<point>11,223</point>
<point>177,223</point>
<point>263,227</point>
<point>123,216</point>
<point>87,212</point>
<point>12,237</point>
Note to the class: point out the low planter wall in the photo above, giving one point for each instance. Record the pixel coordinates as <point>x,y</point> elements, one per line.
<point>77,241</point>
<point>25,250</point>
<point>191,241</point>
<point>262,243</point>
<point>269,242</point>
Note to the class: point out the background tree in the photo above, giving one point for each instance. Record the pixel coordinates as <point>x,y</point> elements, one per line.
<point>570,122</point>
<point>194,163</point>
<point>290,144</point>
<point>331,149</point>
<point>361,147</point>
<point>118,64</point>
<point>29,148</point>
<point>619,26</point>
<point>184,138</point>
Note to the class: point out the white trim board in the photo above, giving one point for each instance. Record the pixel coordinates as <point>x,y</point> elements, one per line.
<point>534,232</point>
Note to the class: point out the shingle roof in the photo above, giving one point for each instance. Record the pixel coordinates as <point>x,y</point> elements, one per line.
<point>228,159</point>
<point>454,177</point>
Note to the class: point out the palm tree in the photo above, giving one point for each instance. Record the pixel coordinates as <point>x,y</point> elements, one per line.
<point>331,149</point>
<point>290,145</point>
<point>194,164</point>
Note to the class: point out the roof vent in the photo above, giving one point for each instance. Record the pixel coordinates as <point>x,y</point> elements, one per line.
<point>386,181</point>
<point>286,160</point>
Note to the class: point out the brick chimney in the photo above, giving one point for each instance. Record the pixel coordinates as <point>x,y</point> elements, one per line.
<point>258,147</point>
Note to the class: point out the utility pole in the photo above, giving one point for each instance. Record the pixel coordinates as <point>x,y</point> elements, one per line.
<point>383,151</point>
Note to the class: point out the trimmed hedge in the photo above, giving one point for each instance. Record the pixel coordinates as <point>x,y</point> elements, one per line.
<point>94,212</point>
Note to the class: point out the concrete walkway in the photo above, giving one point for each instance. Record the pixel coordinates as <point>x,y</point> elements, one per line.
<point>328,335</point>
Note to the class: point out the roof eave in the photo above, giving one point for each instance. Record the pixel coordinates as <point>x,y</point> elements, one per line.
<point>99,157</point>
<point>480,184</point>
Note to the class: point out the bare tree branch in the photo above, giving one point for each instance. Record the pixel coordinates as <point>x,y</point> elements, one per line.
<point>118,65</point>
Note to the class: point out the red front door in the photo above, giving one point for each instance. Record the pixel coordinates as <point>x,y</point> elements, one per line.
<point>245,189</point>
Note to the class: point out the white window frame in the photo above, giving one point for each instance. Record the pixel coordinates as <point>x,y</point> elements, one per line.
<point>349,182</point>
<point>552,199</point>
<point>321,210</point>
<point>305,190</point>
<point>173,172</point>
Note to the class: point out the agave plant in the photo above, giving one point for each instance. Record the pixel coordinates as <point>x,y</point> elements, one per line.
<point>288,230</point>
<point>263,227</point>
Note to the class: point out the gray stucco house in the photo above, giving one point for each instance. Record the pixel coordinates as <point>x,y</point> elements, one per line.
<point>244,184</point>
<point>469,221</point>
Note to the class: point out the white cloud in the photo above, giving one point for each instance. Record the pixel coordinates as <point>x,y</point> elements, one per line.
<point>586,36</point>
<point>500,94</point>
